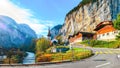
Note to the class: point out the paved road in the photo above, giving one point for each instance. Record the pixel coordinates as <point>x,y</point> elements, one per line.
<point>103,58</point>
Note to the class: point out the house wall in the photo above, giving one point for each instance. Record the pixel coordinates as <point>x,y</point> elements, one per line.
<point>76,38</point>
<point>107,33</point>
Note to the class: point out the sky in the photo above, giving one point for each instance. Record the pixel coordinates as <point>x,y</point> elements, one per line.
<point>38,14</point>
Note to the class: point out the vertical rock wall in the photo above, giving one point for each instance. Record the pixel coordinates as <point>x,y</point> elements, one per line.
<point>86,17</point>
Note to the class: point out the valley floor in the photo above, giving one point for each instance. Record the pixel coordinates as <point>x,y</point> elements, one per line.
<point>101,59</point>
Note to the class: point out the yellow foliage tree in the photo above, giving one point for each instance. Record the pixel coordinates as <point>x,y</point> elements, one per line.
<point>42,44</point>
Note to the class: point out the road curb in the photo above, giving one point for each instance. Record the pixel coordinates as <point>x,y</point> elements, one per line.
<point>41,63</point>
<point>57,62</point>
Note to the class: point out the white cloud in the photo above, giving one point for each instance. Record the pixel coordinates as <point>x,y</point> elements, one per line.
<point>22,15</point>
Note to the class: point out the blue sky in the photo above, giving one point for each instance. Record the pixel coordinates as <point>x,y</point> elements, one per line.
<point>39,14</point>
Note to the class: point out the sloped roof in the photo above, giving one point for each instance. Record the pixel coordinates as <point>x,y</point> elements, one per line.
<point>81,33</point>
<point>102,24</point>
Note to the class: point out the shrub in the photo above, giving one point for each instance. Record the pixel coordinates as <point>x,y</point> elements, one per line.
<point>49,50</point>
<point>13,59</point>
<point>116,23</point>
<point>14,56</point>
<point>44,58</point>
<point>39,54</point>
<point>6,61</point>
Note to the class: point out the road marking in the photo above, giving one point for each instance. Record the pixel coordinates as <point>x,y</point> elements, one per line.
<point>96,52</point>
<point>101,52</point>
<point>110,52</point>
<point>116,52</point>
<point>106,52</point>
<point>102,65</point>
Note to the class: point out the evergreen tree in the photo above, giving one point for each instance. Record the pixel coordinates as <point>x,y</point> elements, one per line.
<point>116,23</point>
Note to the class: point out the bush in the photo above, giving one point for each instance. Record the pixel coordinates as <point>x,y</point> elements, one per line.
<point>44,58</point>
<point>6,61</point>
<point>13,59</point>
<point>49,50</point>
<point>118,37</point>
<point>14,56</point>
<point>39,54</point>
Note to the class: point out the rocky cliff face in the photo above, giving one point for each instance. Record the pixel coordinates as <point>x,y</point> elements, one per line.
<point>55,31</point>
<point>85,18</point>
<point>13,34</point>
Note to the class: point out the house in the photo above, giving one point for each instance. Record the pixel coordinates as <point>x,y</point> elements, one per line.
<point>80,36</point>
<point>105,31</point>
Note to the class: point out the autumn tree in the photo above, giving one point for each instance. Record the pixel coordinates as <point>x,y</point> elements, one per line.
<point>42,44</point>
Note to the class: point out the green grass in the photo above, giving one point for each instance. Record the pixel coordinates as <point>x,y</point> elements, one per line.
<point>71,54</point>
<point>102,44</point>
<point>75,54</point>
<point>78,50</point>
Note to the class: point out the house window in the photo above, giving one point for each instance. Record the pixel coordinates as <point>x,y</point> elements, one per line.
<point>107,33</point>
<point>115,31</point>
<point>98,36</point>
<point>103,34</point>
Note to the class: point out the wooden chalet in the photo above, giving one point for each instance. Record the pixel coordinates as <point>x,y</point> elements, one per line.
<point>80,36</point>
<point>105,31</point>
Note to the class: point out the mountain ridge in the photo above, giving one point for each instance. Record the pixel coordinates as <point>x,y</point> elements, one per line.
<point>13,34</point>
<point>55,31</point>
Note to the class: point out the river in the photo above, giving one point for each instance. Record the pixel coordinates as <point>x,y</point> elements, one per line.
<point>29,59</point>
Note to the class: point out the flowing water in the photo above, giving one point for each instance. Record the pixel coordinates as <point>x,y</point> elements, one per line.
<point>29,59</point>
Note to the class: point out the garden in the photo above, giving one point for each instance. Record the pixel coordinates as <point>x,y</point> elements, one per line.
<point>59,53</point>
